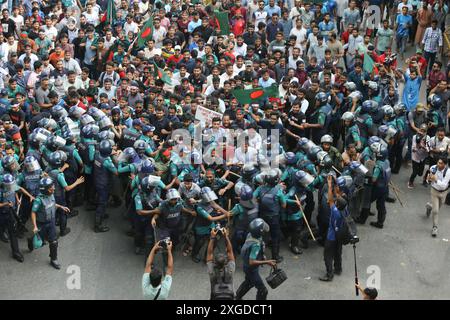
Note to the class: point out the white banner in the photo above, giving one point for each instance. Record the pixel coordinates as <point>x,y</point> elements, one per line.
<point>205,115</point>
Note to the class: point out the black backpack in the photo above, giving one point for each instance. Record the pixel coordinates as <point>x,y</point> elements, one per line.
<point>222,290</point>
<point>347,232</point>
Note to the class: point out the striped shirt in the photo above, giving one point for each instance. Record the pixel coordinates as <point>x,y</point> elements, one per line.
<point>432,39</point>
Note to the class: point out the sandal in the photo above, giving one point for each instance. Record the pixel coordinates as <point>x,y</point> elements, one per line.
<point>187,251</point>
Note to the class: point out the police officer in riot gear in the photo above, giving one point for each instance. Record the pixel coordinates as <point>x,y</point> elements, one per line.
<point>29,178</point>
<point>168,216</point>
<point>435,118</point>
<point>320,117</point>
<point>380,179</point>
<point>243,212</point>
<point>131,135</point>
<point>7,206</point>
<point>327,145</point>
<point>271,200</point>
<point>352,133</point>
<point>43,215</point>
<point>147,199</point>
<point>103,168</point>
<point>207,217</point>
<point>86,149</point>
<point>396,156</point>
<point>58,165</point>
<point>252,253</point>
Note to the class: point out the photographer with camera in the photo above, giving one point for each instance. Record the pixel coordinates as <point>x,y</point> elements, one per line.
<point>333,245</point>
<point>154,287</point>
<point>221,268</point>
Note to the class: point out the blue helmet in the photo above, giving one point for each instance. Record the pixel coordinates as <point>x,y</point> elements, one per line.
<point>88,132</point>
<point>45,184</point>
<point>257,227</point>
<point>344,181</point>
<point>58,112</point>
<point>148,183</point>
<point>105,135</point>
<point>322,97</point>
<point>147,167</point>
<point>373,139</point>
<point>290,157</point>
<point>56,159</point>
<point>9,182</point>
<point>246,193</point>
<point>435,101</point>
<point>105,148</point>
<point>368,106</point>
<point>9,163</point>
<point>383,153</point>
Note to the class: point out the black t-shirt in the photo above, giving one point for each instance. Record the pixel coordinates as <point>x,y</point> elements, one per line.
<point>197,82</point>
<point>163,123</point>
<point>8,26</point>
<point>17,116</point>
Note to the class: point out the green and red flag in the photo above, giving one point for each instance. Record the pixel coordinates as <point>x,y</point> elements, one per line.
<point>146,32</point>
<point>110,14</point>
<point>369,64</point>
<point>222,23</point>
<point>161,74</point>
<point>249,96</point>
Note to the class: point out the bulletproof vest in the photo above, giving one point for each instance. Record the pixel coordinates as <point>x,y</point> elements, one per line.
<point>59,191</point>
<point>101,174</point>
<point>171,215</point>
<point>419,119</point>
<point>269,204</point>
<point>32,181</point>
<point>385,177</point>
<point>83,150</point>
<point>291,176</point>
<point>46,212</point>
<point>349,137</point>
<point>7,196</point>
<point>247,248</point>
<point>138,165</point>
<point>326,109</point>
<point>203,222</point>
<point>129,137</point>
<point>361,123</point>
<point>248,215</point>
<point>149,200</point>
<point>73,164</point>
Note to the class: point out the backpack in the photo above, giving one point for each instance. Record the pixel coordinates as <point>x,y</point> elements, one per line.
<point>347,232</point>
<point>222,290</point>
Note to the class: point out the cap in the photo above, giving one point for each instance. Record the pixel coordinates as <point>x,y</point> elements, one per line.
<point>420,107</point>
<point>419,51</point>
<point>147,128</point>
<point>177,47</point>
<point>157,52</point>
<point>137,122</point>
<point>248,63</point>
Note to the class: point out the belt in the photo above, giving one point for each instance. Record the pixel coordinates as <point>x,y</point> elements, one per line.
<point>440,190</point>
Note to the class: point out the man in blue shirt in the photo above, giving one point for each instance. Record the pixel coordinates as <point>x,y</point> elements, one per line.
<point>333,247</point>
<point>273,27</point>
<point>403,23</point>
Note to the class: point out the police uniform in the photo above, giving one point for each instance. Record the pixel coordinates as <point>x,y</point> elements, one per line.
<point>7,219</point>
<point>103,167</point>
<point>144,233</point>
<point>86,149</point>
<point>381,178</point>
<point>170,220</point>
<point>60,196</point>
<point>271,199</point>
<point>253,249</point>
<point>243,215</point>
<point>322,116</point>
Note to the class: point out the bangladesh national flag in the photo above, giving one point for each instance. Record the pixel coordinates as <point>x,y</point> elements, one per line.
<point>369,64</point>
<point>110,15</point>
<point>249,96</point>
<point>146,33</point>
<point>223,23</point>
<point>161,74</point>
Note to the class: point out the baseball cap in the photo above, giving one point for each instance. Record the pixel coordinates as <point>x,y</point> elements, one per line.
<point>419,51</point>
<point>137,122</point>
<point>157,52</point>
<point>147,128</point>
<point>177,47</point>
<point>248,63</point>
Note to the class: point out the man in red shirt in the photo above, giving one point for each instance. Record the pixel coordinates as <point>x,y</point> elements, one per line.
<point>435,76</point>
<point>382,58</point>
<point>347,33</point>
<point>175,58</point>
<point>238,24</point>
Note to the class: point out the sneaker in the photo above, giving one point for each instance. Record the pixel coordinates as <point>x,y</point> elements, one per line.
<point>428,206</point>
<point>434,232</point>
<point>64,232</point>
<point>410,185</point>
<point>425,184</point>
<point>377,225</point>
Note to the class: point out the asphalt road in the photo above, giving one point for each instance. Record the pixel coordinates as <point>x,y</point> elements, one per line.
<point>406,261</point>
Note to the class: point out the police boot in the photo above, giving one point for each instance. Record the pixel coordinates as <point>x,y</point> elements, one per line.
<point>64,232</point>
<point>390,199</point>
<point>99,227</point>
<point>18,256</point>
<point>363,216</point>
<point>276,253</point>
<point>4,236</point>
<point>294,245</point>
<point>30,244</point>
<point>54,255</point>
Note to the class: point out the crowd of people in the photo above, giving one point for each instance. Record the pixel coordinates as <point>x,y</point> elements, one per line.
<point>196,134</point>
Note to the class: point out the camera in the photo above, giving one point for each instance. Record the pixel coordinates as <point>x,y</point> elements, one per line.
<point>354,239</point>
<point>164,242</point>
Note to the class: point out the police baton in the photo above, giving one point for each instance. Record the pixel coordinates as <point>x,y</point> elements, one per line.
<point>304,218</point>
<point>356,269</point>
<point>396,193</point>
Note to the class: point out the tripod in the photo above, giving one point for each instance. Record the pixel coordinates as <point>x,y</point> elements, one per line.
<point>356,269</point>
